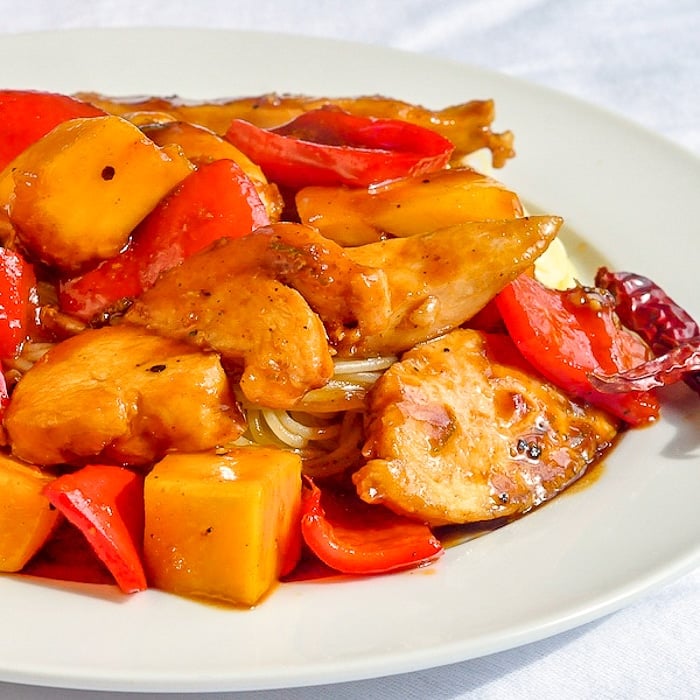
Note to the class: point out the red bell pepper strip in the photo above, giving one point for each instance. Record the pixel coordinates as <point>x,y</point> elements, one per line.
<point>331,147</point>
<point>354,537</point>
<point>4,396</point>
<point>106,504</point>
<point>216,201</point>
<point>644,307</point>
<point>567,335</point>
<point>18,302</point>
<point>27,115</point>
<point>68,556</point>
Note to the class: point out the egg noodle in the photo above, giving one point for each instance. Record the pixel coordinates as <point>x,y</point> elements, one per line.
<point>327,428</point>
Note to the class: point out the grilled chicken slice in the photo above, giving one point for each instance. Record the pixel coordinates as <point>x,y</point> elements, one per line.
<point>467,125</point>
<point>120,394</point>
<point>255,300</point>
<point>458,432</point>
<point>439,280</point>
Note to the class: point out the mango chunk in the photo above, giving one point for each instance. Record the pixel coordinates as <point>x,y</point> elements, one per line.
<point>26,516</point>
<point>75,196</point>
<point>406,207</point>
<point>222,527</point>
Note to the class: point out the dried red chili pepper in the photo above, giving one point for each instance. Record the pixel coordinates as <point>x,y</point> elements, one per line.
<point>644,307</point>
<point>669,368</point>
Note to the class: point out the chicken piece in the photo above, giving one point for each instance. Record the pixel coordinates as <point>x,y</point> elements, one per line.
<point>263,330</point>
<point>458,432</point>
<point>120,394</point>
<point>255,300</point>
<point>439,280</point>
<point>372,300</point>
<point>467,125</point>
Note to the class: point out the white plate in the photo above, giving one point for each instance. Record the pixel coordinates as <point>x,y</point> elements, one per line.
<point>624,193</point>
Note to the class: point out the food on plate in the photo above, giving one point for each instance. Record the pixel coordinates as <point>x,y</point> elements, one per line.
<point>647,309</point>
<point>27,115</point>
<point>441,279</point>
<point>27,519</point>
<point>105,503</point>
<point>569,335</point>
<point>214,201</point>
<point>371,300</point>
<point>467,126</point>
<point>201,145</point>
<point>405,206</point>
<point>245,336</point>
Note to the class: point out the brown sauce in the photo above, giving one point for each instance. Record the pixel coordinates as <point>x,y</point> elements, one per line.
<point>454,535</point>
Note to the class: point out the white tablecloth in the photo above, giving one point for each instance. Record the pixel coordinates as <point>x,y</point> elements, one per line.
<point>640,59</point>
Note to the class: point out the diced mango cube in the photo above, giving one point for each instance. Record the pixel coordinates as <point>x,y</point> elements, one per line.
<point>78,192</point>
<point>223,527</point>
<point>26,516</point>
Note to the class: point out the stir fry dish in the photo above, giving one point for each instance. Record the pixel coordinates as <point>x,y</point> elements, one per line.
<point>247,336</point>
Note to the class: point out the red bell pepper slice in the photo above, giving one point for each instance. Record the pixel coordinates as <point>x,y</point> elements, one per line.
<point>68,556</point>
<point>106,504</point>
<point>568,335</point>
<point>27,115</point>
<point>354,537</point>
<point>18,310</point>
<point>216,201</point>
<point>18,302</point>
<point>328,146</point>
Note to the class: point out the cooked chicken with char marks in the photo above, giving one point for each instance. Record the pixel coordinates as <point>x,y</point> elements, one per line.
<point>457,433</point>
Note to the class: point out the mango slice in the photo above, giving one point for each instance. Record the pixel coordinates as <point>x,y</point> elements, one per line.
<point>222,527</point>
<point>406,207</point>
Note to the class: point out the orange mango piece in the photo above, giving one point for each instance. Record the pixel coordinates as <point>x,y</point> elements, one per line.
<point>75,196</point>
<point>406,207</point>
<point>27,519</point>
<point>222,526</point>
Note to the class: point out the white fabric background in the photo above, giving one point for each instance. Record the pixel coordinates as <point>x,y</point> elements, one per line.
<point>639,58</point>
